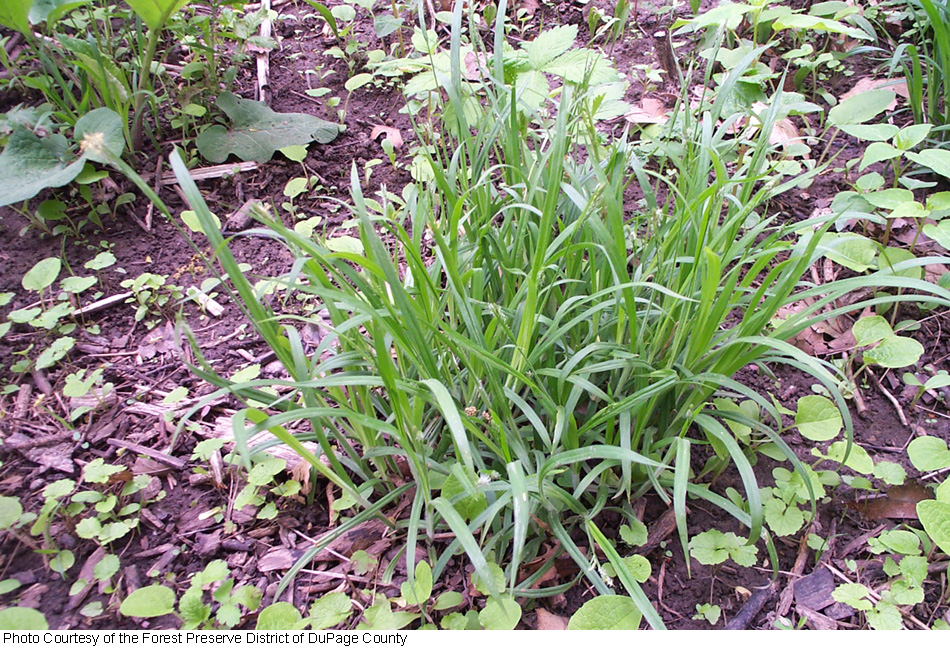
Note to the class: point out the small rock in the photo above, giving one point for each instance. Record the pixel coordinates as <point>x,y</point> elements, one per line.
<point>208,543</point>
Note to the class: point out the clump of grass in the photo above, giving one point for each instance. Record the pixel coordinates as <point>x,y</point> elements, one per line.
<point>551,353</point>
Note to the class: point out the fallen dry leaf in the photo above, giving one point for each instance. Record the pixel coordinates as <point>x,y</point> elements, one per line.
<point>548,621</point>
<point>650,111</point>
<point>899,503</point>
<point>897,85</point>
<point>528,6</point>
<point>392,134</point>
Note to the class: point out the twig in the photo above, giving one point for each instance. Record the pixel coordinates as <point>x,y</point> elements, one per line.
<point>101,304</point>
<point>752,607</point>
<point>263,57</point>
<point>166,459</point>
<point>785,601</point>
<point>158,183</point>
<point>18,442</point>
<point>211,172</point>
<point>890,397</point>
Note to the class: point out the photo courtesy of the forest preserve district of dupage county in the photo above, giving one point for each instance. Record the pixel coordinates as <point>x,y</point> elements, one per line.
<point>326,321</point>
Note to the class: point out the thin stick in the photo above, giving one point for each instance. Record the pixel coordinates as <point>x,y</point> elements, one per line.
<point>890,397</point>
<point>263,58</point>
<point>166,459</point>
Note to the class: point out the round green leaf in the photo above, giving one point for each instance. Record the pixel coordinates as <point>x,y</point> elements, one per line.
<point>10,512</point>
<point>500,613</point>
<point>895,352</point>
<point>278,616</point>
<point>869,330</point>
<point>818,419</point>
<point>421,589</point>
<point>928,453</point>
<point>42,275</point>
<point>935,516</point>
<point>609,612</point>
<point>22,618</point>
<point>147,602</point>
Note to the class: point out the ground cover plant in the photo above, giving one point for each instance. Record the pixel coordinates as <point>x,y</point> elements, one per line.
<point>520,372</point>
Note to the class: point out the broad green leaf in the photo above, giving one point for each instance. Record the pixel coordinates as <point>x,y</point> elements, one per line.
<point>448,600</point>
<point>910,136</point>
<point>190,219</point>
<point>14,14</point>
<point>928,453</point>
<point>10,512</point>
<point>497,577</point>
<point>500,613</point>
<point>939,232</point>
<point>891,256</point>
<point>860,108</point>
<point>818,419</point>
<point>895,352</point>
<point>101,261</point>
<point>890,198</point>
<point>899,541</point>
<point>607,612</point>
<point>853,251</point>
<point>421,589</point>
<point>100,137</point>
<point>344,244</point>
<point>49,11</point>
<point>858,459</point>
<point>878,152</point>
<point>42,275</point>
<point>330,610</point>
<point>868,330</point>
<point>277,616</point>
<point>257,131</point>
<point>937,160</point>
<point>77,285</point>
<point>22,618</point>
<point>808,23</point>
<point>147,602</point>
<point>935,516</point>
<point>30,164</point>
<point>709,547</point>
<point>357,81</point>
<point>155,13</point>
<point>870,132</point>
<point>470,506</point>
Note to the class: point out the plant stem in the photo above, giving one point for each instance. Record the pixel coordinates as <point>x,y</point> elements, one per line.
<point>144,75</point>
